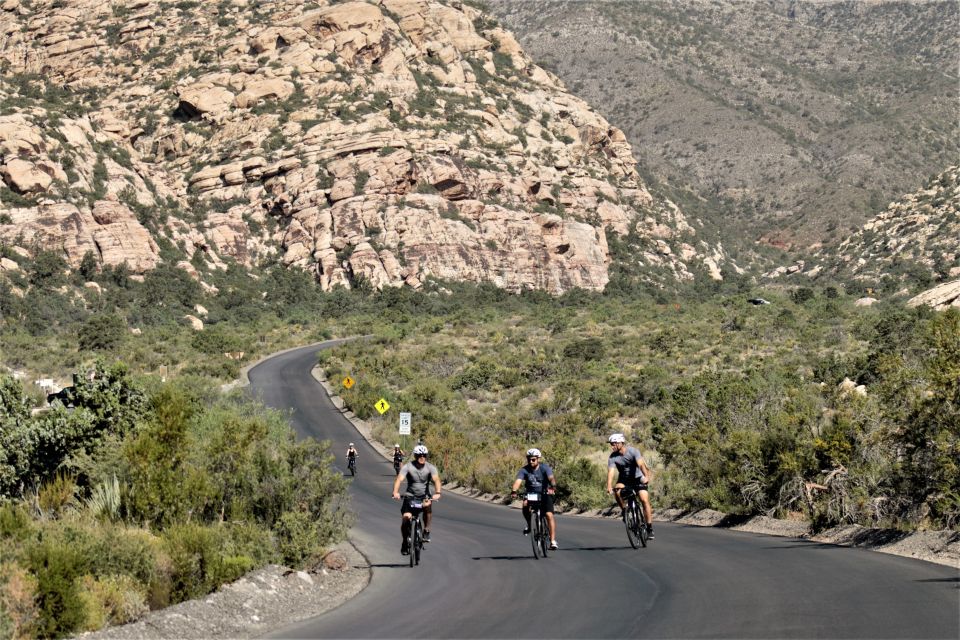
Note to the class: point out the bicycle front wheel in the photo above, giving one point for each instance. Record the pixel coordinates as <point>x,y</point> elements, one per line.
<point>412,542</point>
<point>535,535</point>
<point>418,543</point>
<point>633,525</point>
<point>544,535</point>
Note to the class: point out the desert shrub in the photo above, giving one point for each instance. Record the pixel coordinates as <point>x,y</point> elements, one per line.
<point>801,295</point>
<point>197,563</point>
<point>101,332</point>
<point>581,485</point>
<point>18,602</point>
<point>298,538</point>
<point>57,495</point>
<point>109,600</point>
<point>57,565</point>
<point>477,375</point>
<point>219,339</point>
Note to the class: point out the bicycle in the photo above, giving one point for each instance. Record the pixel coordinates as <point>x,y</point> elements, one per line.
<point>352,466</point>
<point>397,462</point>
<point>634,518</point>
<point>539,528</point>
<point>415,537</point>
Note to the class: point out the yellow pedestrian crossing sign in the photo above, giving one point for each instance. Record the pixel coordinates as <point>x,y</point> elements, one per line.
<point>348,382</point>
<point>382,406</point>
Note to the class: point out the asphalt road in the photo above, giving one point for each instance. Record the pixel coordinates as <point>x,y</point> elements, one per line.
<point>478,578</point>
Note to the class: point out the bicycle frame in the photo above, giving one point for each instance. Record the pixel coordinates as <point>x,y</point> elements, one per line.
<point>635,519</point>
<point>539,527</point>
<point>415,538</point>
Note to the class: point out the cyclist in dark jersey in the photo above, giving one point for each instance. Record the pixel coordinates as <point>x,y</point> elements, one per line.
<point>628,467</point>
<point>419,474</point>
<point>538,478</point>
<point>398,456</point>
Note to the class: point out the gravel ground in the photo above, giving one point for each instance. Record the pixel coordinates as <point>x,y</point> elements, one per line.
<point>262,601</point>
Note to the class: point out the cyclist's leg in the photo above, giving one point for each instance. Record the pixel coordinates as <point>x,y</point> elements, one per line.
<point>616,493</point>
<point>551,521</point>
<point>427,514</point>
<point>526,515</point>
<point>647,509</point>
<point>406,523</point>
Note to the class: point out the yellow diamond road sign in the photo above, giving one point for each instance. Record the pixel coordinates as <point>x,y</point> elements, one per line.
<point>348,382</point>
<point>382,406</point>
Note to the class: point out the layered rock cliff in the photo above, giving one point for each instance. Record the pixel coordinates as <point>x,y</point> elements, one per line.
<point>386,141</point>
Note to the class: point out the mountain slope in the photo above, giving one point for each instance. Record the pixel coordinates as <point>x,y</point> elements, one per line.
<point>792,122</point>
<point>387,142</point>
<point>914,242</point>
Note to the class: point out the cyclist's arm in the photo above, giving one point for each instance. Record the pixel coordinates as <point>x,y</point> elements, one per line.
<point>396,486</point>
<point>436,485</point>
<point>611,474</point>
<point>645,470</point>
<point>553,483</point>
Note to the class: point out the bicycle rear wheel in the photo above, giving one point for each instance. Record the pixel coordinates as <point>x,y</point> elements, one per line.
<point>418,542</point>
<point>633,526</point>
<point>535,534</point>
<point>644,534</point>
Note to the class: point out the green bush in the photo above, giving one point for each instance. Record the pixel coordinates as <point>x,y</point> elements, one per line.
<point>198,565</point>
<point>299,538</point>
<point>582,485</point>
<point>101,333</point>
<point>57,565</point>
<point>110,600</point>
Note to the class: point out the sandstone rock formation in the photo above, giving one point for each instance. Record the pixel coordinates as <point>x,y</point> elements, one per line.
<point>940,297</point>
<point>386,141</point>
<point>917,234</point>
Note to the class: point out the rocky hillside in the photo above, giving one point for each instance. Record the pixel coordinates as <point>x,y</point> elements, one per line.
<point>384,141</point>
<point>914,242</point>
<point>792,122</point>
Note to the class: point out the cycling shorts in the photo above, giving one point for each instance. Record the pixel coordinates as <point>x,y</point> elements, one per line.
<point>546,502</point>
<point>633,483</point>
<point>406,508</point>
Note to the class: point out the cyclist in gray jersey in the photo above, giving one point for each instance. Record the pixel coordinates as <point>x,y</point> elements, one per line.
<point>538,478</point>
<point>627,466</point>
<point>419,474</point>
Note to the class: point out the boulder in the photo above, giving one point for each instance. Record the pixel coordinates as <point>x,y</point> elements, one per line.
<point>939,297</point>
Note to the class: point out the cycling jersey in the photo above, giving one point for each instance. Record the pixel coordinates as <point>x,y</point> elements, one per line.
<point>418,480</point>
<point>535,480</point>
<point>628,466</point>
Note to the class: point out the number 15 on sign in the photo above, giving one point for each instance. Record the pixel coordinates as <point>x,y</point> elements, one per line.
<point>404,424</point>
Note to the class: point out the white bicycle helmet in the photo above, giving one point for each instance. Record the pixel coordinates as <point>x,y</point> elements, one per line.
<point>420,450</point>
<point>351,444</point>
<point>617,437</point>
<point>396,446</point>
<point>533,452</point>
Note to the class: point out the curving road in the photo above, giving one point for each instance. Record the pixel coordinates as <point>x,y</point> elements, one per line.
<point>479,580</point>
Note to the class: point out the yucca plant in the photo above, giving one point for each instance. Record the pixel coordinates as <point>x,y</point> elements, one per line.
<point>104,500</point>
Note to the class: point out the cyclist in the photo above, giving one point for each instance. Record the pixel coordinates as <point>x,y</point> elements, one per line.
<point>419,474</point>
<point>538,478</point>
<point>398,456</point>
<point>351,455</point>
<point>630,470</point>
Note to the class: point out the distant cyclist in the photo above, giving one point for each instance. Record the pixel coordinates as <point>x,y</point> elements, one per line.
<point>627,465</point>
<point>419,474</point>
<point>351,457</point>
<point>538,478</point>
<point>398,456</point>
